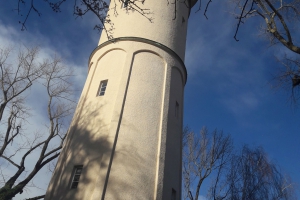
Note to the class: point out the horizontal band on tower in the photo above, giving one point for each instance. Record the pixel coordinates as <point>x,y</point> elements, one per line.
<point>143,40</point>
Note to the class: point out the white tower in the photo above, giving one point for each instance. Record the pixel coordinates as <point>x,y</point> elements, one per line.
<point>124,142</point>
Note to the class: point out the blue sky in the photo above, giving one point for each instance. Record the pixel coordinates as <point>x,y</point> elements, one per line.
<point>230,84</point>
<point>231,87</point>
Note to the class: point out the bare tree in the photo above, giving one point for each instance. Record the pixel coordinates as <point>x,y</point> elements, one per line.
<point>288,77</point>
<point>248,174</point>
<point>98,8</point>
<point>17,79</point>
<point>280,24</point>
<point>17,143</point>
<point>252,176</point>
<point>278,16</point>
<point>203,154</point>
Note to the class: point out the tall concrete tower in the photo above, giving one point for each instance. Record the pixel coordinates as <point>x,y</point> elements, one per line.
<point>124,142</point>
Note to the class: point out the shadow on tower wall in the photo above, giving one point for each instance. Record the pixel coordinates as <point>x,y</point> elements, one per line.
<point>89,143</point>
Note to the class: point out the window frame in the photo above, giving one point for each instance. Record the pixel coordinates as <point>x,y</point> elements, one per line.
<point>102,89</point>
<point>74,174</point>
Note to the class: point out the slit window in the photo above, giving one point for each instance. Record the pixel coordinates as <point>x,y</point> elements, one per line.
<point>76,176</point>
<point>102,88</point>
<point>176,109</point>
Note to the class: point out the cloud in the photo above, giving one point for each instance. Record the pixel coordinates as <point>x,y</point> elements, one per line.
<point>235,72</point>
<point>241,104</point>
<point>37,98</point>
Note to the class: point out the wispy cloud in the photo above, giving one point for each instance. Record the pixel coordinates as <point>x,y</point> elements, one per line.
<point>37,97</point>
<point>242,103</point>
<point>219,64</point>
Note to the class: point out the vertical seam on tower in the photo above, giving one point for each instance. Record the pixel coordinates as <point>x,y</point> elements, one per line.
<point>117,131</point>
<point>160,135</point>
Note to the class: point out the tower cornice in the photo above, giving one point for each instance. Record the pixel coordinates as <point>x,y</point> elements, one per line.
<point>143,40</point>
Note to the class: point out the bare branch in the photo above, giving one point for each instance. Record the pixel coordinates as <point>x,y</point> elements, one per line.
<point>250,176</point>
<point>15,81</point>
<point>37,197</point>
<point>275,16</point>
<point>203,154</point>
<point>9,160</point>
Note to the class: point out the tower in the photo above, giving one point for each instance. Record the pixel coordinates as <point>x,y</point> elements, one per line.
<point>124,141</point>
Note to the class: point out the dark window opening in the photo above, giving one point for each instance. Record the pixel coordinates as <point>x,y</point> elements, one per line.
<point>102,88</point>
<point>176,109</point>
<point>76,176</point>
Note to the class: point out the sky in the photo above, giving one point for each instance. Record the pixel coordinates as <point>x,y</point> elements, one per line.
<point>230,86</point>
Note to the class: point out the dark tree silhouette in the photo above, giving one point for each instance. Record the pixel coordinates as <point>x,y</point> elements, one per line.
<point>203,154</point>
<point>252,175</point>
<point>248,174</point>
<point>280,22</point>
<point>280,19</point>
<point>17,144</point>
<point>99,8</point>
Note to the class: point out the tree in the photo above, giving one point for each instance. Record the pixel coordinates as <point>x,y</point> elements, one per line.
<point>232,176</point>
<point>203,154</point>
<point>98,8</point>
<point>17,143</point>
<point>280,19</point>
<point>252,176</point>
<point>290,75</point>
<point>278,15</point>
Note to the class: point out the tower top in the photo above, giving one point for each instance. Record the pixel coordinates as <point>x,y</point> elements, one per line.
<point>168,27</point>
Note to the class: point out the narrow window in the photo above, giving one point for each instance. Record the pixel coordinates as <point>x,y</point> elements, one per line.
<point>125,3</point>
<point>183,20</point>
<point>173,197</point>
<point>102,88</point>
<point>176,109</point>
<point>76,175</point>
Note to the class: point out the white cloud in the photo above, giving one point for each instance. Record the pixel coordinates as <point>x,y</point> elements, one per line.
<point>216,63</point>
<point>241,104</point>
<point>10,37</point>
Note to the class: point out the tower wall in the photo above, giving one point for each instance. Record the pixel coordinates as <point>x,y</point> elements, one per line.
<point>129,140</point>
<point>168,26</point>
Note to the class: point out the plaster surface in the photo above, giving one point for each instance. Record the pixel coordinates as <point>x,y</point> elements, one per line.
<point>168,27</point>
<point>129,140</point>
